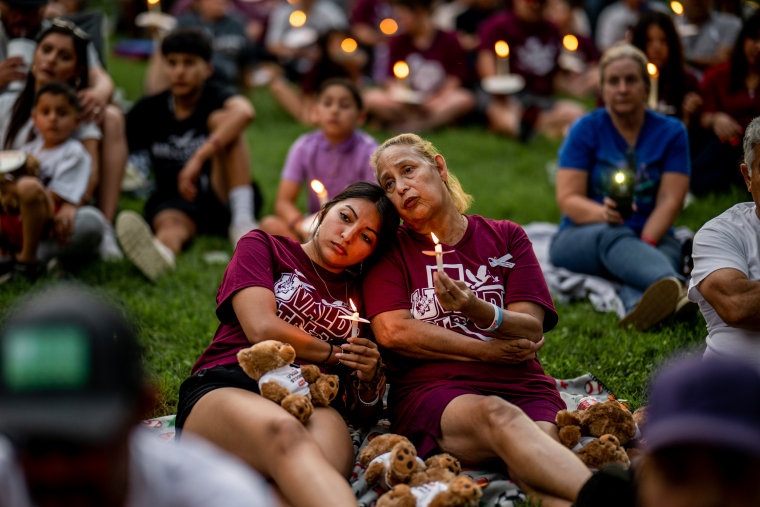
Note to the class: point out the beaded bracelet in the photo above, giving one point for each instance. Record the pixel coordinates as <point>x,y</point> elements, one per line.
<point>498,316</point>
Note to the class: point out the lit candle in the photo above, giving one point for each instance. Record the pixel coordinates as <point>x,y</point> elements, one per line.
<point>354,318</point>
<point>388,26</point>
<point>154,5</point>
<point>348,45</point>
<point>502,60</point>
<point>320,190</point>
<point>653,75</point>
<point>677,7</point>
<point>570,42</point>
<point>401,71</point>
<point>297,18</point>
<point>438,252</point>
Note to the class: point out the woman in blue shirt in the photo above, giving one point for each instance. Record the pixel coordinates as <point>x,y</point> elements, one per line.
<point>638,251</point>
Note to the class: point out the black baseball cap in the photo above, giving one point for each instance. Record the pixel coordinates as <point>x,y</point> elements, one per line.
<point>25,4</point>
<point>69,368</point>
<point>711,401</point>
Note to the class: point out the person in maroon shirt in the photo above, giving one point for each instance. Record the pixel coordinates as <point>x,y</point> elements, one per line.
<point>731,101</point>
<point>463,339</point>
<point>534,49</point>
<point>438,73</point>
<point>276,288</point>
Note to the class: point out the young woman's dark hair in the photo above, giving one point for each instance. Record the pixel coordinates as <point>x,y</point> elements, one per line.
<point>348,85</point>
<point>389,217</point>
<point>60,89</point>
<point>673,75</point>
<point>739,65</point>
<point>22,108</point>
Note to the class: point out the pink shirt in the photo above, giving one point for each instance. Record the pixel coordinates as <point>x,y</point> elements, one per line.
<point>307,295</point>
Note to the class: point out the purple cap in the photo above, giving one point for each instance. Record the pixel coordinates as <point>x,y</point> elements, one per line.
<point>710,401</point>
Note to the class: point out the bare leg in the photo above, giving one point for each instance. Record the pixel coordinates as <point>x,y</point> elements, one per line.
<point>504,116</point>
<point>292,99</point>
<point>555,122</point>
<point>446,107</point>
<point>36,209</point>
<point>273,224</point>
<point>477,428</point>
<point>174,228</point>
<point>113,158</point>
<point>277,445</point>
<point>230,167</point>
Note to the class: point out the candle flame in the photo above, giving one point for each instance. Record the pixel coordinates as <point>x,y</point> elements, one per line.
<point>353,306</point>
<point>435,238</point>
<point>400,69</point>
<point>153,2</point>
<point>570,42</point>
<point>677,7</point>
<point>388,26</point>
<point>348,45</point>
<point>652,69</point>
<point>297,18</point>
<point>619,177</point>
<point>501,48</point>
<point>317,186</point>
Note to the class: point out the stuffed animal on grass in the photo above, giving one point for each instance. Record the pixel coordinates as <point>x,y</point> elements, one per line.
<point>461,491</point>
<point>603,451</point>
<point>13,166</point>
<point>390,459</point>
<point>296,389</point>
<point>597,420</point>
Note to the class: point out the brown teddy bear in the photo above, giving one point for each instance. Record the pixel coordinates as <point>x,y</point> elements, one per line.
<point>19,164</point>
<point>440,467</point>
<point>461,491</point>
<point>390,459</point>
<point>297,390</point>
<point>602,451</point>
<point>599,419</point>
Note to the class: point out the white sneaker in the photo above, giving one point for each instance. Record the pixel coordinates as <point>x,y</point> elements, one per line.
<point>240,229</point>
<point>109,249</point>
<point>141,247</point>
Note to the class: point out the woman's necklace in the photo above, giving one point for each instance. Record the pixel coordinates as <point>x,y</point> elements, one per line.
<point>314,266</point>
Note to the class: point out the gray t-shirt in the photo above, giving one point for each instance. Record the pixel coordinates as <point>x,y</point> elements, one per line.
<point>730,240</point>
<point>719,31</point>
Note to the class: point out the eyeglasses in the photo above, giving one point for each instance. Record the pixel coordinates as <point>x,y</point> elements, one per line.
<point>71,27</point>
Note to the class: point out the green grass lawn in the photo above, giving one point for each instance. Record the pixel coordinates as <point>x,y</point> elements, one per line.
<point>175,317</point>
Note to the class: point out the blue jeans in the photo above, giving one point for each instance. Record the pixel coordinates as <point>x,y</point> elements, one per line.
<point>617,253</point>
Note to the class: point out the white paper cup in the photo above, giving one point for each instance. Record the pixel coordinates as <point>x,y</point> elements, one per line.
<point>25,49</point>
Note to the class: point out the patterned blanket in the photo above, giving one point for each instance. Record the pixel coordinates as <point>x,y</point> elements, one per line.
<point>498,490</point>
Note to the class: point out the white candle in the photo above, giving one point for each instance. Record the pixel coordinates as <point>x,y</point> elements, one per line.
<point>438,253</point>
<point>355,319</point>
<point>502,58</point>
<point>320,190</point>
<point>154,5</point>
<point>653,75</point>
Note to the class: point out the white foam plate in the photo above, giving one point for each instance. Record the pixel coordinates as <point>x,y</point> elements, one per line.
<point>406,95</point>
<point>503,85</point>
<point>300,37</point>
<point>159,20</point>
<point>10,160</point>
<point>571,62</point>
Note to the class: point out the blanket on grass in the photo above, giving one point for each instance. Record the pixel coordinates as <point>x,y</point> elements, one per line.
<point>498,490</point>
<point>566,285</point>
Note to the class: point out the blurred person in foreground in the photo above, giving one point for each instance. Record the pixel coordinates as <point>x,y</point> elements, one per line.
<point>701,442</point>
<point>725,281</point>
<point>72,394</point>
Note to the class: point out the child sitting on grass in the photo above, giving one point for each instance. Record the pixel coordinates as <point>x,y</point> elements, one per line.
<point>193,134</point>
<point>48,221</point>
<point>337,154</point>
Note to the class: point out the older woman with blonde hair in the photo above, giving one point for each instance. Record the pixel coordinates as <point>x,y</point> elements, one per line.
<point>633,245</point>
<point>463,338</point>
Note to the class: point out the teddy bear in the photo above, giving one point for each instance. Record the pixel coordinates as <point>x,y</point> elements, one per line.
<point>390,459</point>
<point>461,491</point>
<point>297,390</point>
<point>602,451</point>
<point>21,165</point>
<point>598,419</point>
<point>438,468</point>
